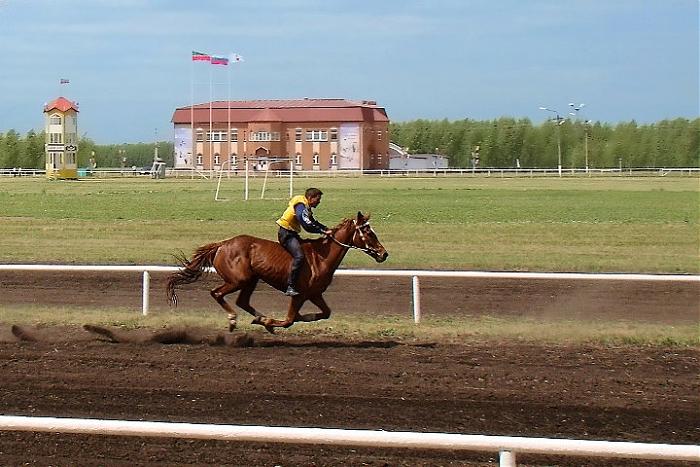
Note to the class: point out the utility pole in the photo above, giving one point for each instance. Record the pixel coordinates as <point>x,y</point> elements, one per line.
<point>560,120</point>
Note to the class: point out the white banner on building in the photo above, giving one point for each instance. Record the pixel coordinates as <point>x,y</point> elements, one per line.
<point>183,146</point>
<point>349,146</point>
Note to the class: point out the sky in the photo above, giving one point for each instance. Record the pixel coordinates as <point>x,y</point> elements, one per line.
<point>129,61</point>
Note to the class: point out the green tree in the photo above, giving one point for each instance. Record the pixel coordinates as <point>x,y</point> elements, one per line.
<point>34,150</point>
<point>11,150</point>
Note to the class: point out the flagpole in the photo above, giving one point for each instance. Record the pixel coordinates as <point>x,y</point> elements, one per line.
<point>228,128</point>
<point>211,142</point>
<point>192,137</point>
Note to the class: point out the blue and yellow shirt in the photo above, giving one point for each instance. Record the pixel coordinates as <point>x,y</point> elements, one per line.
<point>298,214</point>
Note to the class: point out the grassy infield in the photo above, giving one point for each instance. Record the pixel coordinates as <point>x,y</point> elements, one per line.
<point>570,224</point>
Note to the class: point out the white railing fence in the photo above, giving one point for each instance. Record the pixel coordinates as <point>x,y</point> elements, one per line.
<point>195,173</point>
<point>506,446</point>
<point>415,274</point>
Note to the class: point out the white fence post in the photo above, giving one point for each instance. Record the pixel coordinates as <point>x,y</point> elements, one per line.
<point>416,300</point>
<point>146,290</point>
<point>506,459</point>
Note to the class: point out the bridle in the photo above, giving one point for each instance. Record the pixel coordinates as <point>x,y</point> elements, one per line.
<point>358,229</point>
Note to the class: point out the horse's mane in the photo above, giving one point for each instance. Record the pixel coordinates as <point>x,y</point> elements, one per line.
<point>333,229</point>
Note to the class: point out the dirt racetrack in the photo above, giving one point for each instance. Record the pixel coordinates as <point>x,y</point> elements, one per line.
<point>621,393</point>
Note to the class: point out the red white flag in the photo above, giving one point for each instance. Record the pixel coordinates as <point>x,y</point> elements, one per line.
<point>218,60</point>
<point>200,57</point>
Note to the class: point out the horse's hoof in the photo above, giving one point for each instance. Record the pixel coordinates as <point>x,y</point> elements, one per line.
<point>270,329</point>
<point>231,326</point>
<point>257,320</point>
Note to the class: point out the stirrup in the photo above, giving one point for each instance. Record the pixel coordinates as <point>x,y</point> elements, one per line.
<point>291,291</point>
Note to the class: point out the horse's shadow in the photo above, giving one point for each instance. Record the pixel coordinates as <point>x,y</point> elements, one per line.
<point>183,335</point>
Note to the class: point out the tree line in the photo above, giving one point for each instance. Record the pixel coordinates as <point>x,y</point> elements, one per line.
<point>27,152</point>
<point>503,142</point>
<point>508,142</point>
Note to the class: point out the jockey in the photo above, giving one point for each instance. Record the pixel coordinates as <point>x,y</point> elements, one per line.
<point>297,215</point>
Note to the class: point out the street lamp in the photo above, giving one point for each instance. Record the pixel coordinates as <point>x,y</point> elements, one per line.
<point>560,120</point>
<point>576,109</point>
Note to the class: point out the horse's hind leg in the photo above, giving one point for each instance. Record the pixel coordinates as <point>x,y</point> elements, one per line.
<point>219,293</point>
<point>243,300</point>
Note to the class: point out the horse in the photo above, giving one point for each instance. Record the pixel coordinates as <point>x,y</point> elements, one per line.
<point>243,260</point>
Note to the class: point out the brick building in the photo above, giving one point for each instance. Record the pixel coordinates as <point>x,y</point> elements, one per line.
<point>317,134</point>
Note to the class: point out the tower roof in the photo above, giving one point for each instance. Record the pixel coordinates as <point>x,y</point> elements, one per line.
<point>62,104</point>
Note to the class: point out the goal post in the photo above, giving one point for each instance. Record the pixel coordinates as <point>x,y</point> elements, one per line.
<point>266,165</point>
<point>267,169</point>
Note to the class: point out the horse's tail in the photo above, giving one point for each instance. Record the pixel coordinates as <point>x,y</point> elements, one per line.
<point>190,271</point>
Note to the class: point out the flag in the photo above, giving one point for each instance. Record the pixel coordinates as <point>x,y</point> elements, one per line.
<point>235,58</point>
<point>218,60</point>
<point>64,81</point>
<point>200,57</point>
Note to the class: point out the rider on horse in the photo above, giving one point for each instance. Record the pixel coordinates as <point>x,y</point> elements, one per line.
<point>297,215</point>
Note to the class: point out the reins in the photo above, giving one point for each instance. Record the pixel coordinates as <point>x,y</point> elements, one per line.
<point>366,249</point>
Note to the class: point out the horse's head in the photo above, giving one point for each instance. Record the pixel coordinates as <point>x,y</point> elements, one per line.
<point>364,238</point>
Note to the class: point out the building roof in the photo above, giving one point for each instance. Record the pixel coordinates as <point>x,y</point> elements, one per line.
<point>62,104</point>
<point>290,110</point>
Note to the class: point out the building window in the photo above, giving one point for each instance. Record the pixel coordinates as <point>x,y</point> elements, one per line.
<point>200,135</point>
<point>297,135</point>
<point>217,158</point>
<point>55,119</point>
<point>265,136</point>
<point>334,134</point>
<point>216,136</point>
<point>334,159</point>
<point>55,158</point>
<point>71,138</point>
<point>316,158</point>
<point>316,135</point>
<point>234,160</point>
<point>298,158</point>
<point>56,138</point>
<point>200,158</point>
<point>379,135</point>
<point>234,134</point>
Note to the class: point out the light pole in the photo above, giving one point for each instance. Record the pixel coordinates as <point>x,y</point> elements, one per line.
<point>560,120</point>
<point>576,109</point>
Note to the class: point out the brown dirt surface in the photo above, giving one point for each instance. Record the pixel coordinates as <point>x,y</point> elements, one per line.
<point>583,391</point>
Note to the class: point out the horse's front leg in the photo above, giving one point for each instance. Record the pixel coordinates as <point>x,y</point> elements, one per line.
<point>270,324</point>
<point>322,305</point>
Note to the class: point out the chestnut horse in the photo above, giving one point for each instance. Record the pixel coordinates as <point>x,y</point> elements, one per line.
<point>243,260</point>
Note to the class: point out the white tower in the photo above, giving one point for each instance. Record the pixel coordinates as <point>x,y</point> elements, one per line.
<point>61,128</point>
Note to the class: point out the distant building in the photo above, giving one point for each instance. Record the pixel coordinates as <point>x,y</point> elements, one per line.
<point>61,128</point>
<point>400,159</point>
<point>316,134</point>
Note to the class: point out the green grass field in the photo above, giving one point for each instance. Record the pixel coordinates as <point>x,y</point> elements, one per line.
<point>569,224</point>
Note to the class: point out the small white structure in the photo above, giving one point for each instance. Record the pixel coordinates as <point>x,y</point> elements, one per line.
<point>400,159</point>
